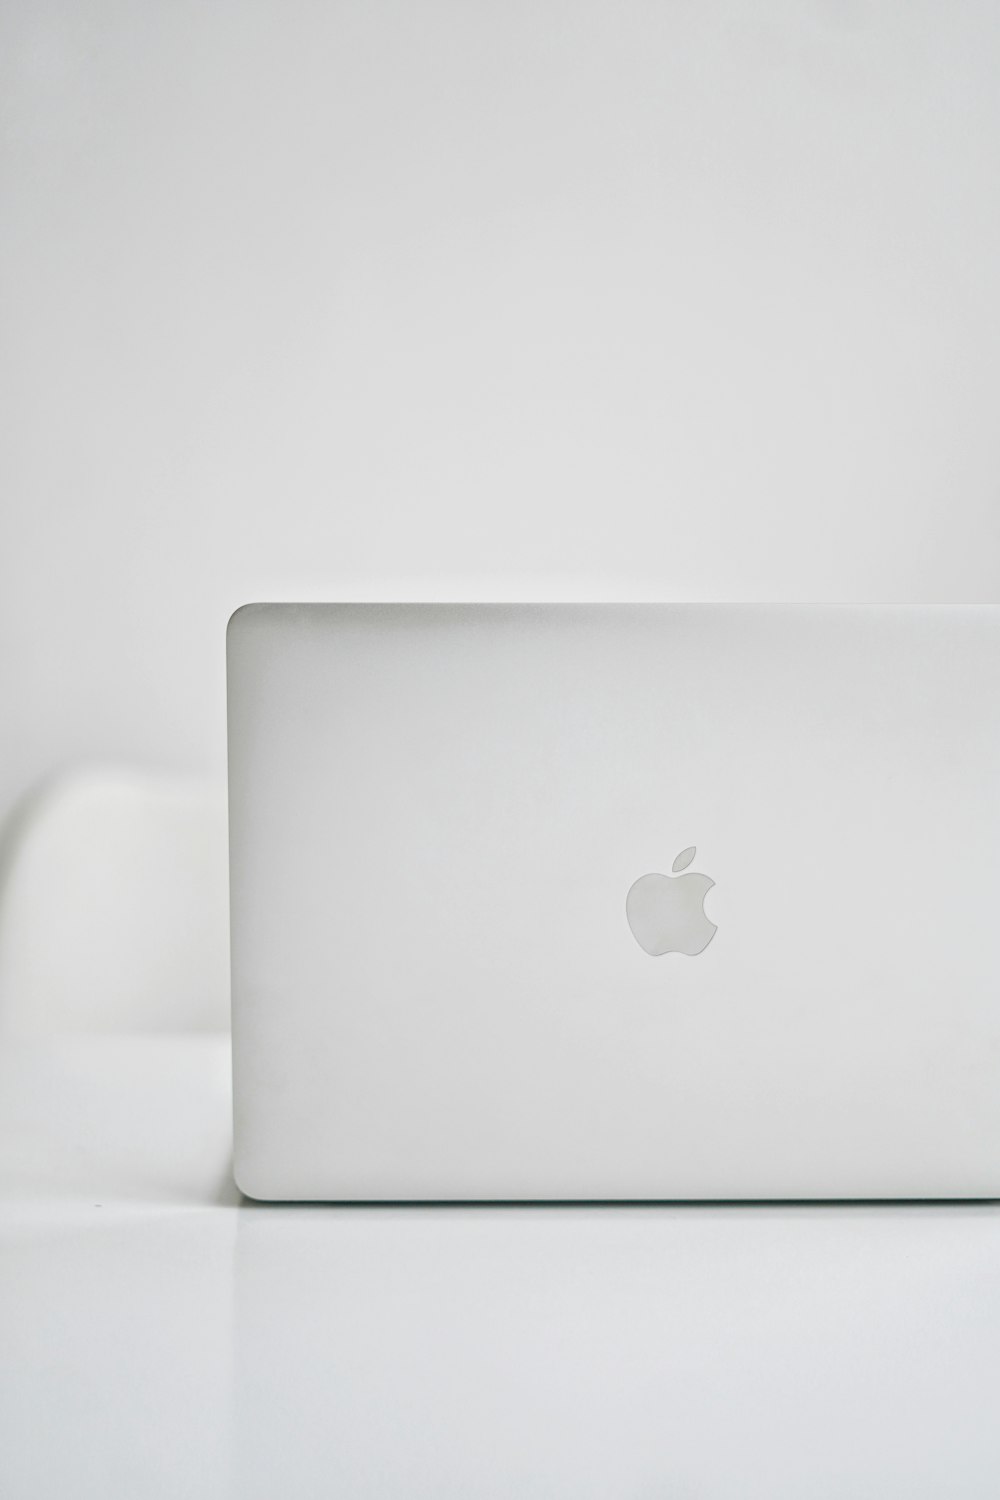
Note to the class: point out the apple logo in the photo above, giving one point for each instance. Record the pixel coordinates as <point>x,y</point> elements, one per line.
<point>667,912</point>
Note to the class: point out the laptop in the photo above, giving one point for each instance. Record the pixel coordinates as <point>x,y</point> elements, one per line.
<point>614,902</point>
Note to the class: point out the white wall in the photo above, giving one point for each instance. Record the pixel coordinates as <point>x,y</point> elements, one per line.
<point>662,299</point>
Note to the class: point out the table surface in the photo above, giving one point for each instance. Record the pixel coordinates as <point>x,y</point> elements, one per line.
<point>159,1335</point>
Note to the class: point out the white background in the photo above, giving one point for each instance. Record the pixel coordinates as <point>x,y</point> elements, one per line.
<point>682,299</point>
<point>679,300</point>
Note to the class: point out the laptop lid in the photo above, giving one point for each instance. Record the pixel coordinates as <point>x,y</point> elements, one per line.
<point>614,902</point>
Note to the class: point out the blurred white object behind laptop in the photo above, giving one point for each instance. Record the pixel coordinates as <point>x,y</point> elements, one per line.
<point>113,905</point>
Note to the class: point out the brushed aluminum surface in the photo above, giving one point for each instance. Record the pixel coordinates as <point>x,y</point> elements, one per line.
<point>437,814</point>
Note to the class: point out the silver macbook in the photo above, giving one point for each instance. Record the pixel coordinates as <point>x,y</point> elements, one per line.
<point>614,902</point>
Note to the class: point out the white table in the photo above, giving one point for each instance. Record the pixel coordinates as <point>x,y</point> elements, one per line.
<point>161,1337</point>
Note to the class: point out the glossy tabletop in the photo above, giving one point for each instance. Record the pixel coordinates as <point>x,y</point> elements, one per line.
<point>159,1336</point>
